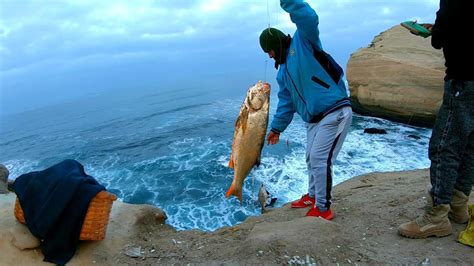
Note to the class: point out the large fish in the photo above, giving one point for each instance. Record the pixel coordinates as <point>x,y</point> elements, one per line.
<point>249,135</point>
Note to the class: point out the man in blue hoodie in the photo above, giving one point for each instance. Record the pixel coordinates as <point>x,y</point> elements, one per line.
<point>311,84</point>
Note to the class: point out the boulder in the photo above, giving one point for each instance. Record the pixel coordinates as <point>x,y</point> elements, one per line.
<point>373,130</point>
<point>3,179</point>
<point>22,238</point>
<point>399,76</point>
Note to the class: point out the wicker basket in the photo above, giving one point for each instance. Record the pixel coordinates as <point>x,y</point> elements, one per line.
<point>97,216</point>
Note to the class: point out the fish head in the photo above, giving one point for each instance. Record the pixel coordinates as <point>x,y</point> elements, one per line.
<point>258,95</point>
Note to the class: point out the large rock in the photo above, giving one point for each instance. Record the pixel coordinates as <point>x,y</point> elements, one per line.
<point>3,179</point>
<point>22,238</point>
<point>399,76</point>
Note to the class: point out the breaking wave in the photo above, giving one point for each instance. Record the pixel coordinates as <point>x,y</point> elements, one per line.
<point>177,160</point>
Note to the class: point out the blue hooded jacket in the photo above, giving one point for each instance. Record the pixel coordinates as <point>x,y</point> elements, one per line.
<point>305,86</point>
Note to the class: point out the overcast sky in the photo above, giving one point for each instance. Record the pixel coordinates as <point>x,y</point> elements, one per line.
<point>56,50</point>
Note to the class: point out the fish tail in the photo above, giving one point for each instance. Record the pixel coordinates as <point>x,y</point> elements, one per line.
<point>234,191</point>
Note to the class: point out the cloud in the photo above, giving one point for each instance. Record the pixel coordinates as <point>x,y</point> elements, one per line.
<point>33,31</point>
<point>62,38</point>
<point>386,11</point>
<point>46,30</point>
<point>186,32</point>
<point>213,5</point>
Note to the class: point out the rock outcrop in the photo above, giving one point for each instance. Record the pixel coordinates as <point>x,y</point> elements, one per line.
<point>399,76</point>
<point>368,210</point>
<point>3,179</point>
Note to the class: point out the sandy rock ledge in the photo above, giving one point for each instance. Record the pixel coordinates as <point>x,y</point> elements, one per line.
<point>368,210</point>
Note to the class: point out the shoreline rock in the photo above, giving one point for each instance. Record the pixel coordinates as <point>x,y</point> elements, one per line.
<point>372,130</point>
<point>3,179</point>
<point>368,210</point>
<point>399,77</point>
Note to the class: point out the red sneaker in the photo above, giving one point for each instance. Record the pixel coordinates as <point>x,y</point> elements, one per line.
<point>305,201</point>
<point>315,212</point>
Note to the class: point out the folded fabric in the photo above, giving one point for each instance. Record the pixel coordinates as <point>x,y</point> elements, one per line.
<point>466,237</point>
<point>55,203</point>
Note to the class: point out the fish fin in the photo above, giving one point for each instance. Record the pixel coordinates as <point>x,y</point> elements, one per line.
<point>234,191</point>
<point>231,162</point>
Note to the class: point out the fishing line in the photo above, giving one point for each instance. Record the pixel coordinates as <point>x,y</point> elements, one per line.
<point>265,79</point>
<point>266,60</point>
<point>265,73</point>
<point>268,14</point>
<point>277,6</point>
<point>253,192</point>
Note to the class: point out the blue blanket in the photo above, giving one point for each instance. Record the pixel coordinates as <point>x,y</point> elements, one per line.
<point>55,203</point>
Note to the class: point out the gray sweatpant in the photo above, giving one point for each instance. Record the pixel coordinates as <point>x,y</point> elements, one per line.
<point>324,141</point>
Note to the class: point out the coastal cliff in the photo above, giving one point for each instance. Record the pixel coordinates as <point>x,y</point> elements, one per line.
<point>399,76</point>
<point>368,210</point>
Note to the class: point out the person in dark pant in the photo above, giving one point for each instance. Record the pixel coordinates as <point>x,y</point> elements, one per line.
<point>451,148</point>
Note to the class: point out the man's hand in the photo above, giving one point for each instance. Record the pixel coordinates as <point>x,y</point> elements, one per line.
<point>414,28</point>
<point>273,138</point>
<point>427,26</point>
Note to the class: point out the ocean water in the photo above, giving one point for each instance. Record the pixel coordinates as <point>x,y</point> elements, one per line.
<point>171,148</point>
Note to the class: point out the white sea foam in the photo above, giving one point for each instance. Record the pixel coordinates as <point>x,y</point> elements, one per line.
<point>186,174</point>
<point>19,167</point>
<point>199,188</point>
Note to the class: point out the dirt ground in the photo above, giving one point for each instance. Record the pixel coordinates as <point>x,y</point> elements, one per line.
<point>368,210</point>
